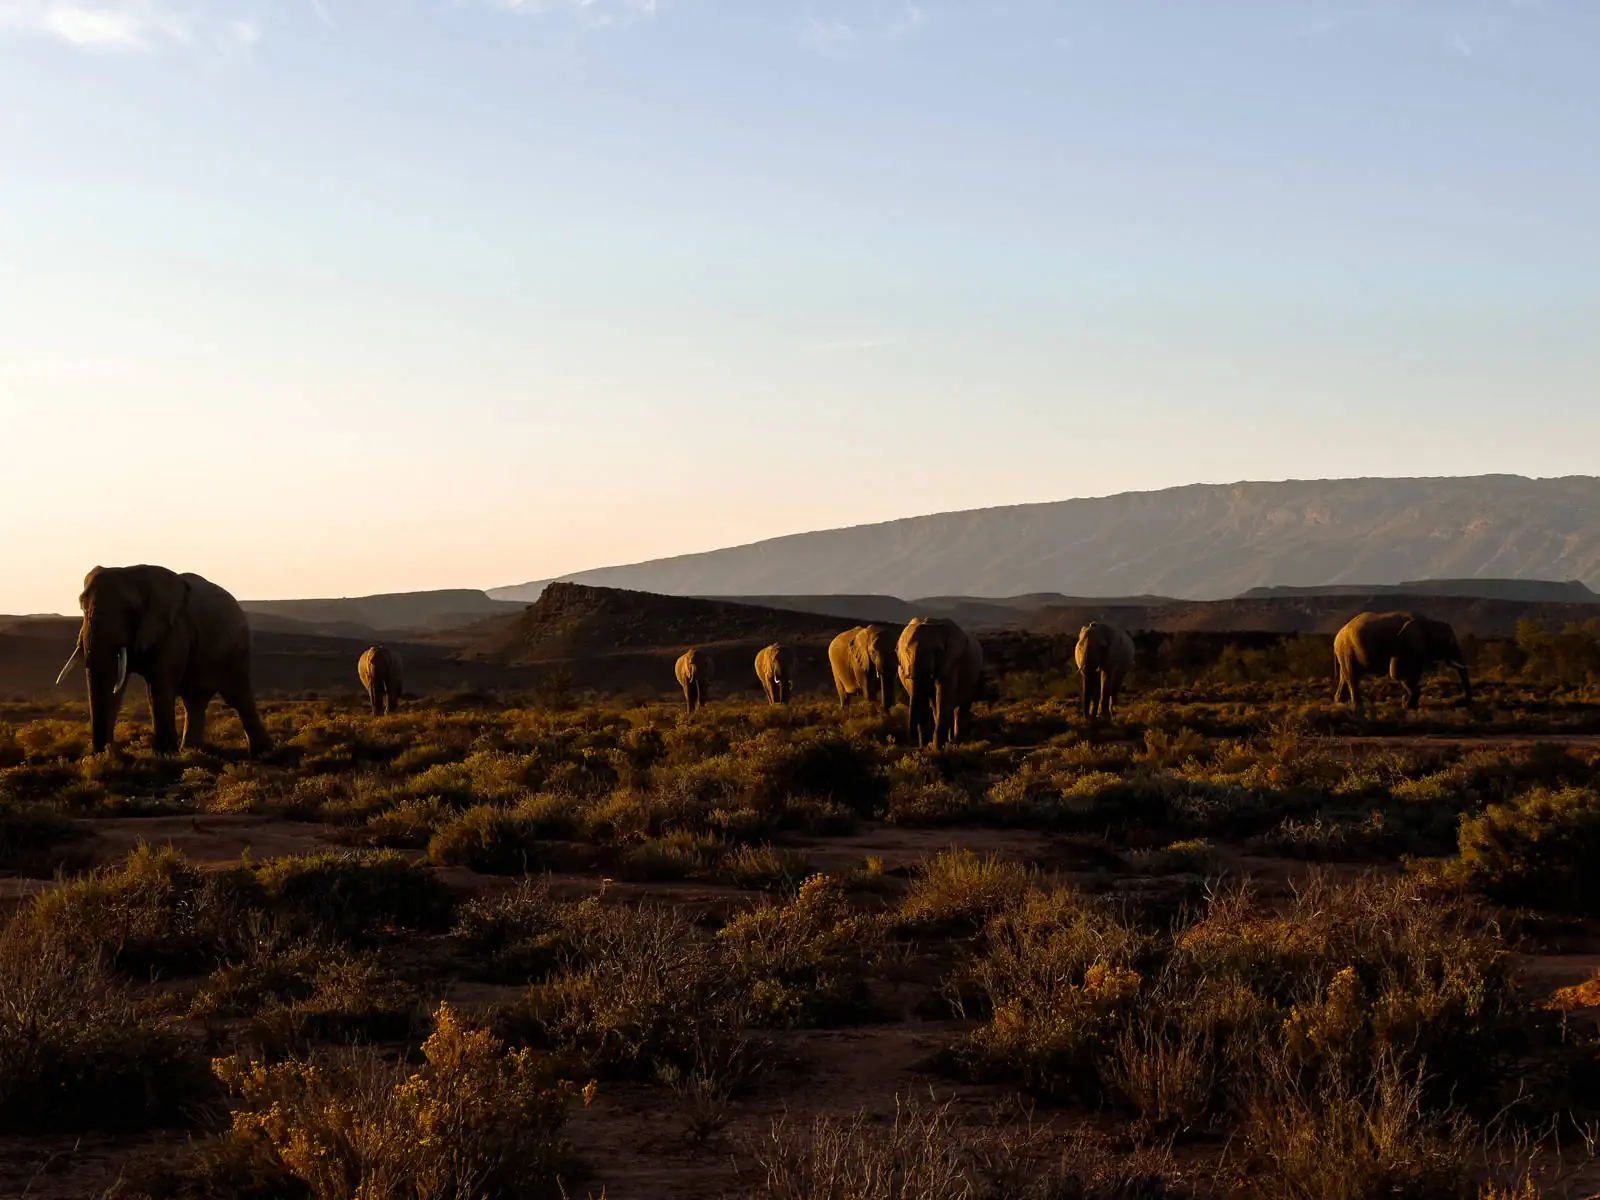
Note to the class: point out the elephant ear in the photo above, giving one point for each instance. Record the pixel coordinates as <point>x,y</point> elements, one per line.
<point>1410,643</point>
<point>162,602</point>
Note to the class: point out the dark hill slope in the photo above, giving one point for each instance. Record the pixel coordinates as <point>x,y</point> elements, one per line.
<point>572,622</point>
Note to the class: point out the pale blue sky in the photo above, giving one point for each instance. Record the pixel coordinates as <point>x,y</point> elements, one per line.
<point>338,297</point>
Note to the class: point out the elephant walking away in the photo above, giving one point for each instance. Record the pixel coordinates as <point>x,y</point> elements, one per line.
<point>941,667</point>
<point>383,675</point>
<point>1104,656</point>
<point>775,670</point>
<point>184,635</point>
<point>864,662</point>
<point>694,670</point>
<point>1404,645</point>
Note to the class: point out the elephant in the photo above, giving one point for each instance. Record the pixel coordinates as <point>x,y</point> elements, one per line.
<point>1104,656</point>
<point>775,670</point>
<point>1402,643</point>
<point>941,668</point>
<point>186,636</point>
<point>694,670</point>
<point>864,659</point>
<point>383,675</point>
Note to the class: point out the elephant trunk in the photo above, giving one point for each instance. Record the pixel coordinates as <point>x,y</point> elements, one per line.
<point>104,701</point>
<point>919,700</point>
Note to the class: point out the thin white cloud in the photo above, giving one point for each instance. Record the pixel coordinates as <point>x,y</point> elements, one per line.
<point>123,26</point>
<point>597,14</point>
<point>883,22</point>
<point>852,345</point>
<point>829,32</point>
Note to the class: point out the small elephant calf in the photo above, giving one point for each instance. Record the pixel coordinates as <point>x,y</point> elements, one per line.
<point>381,674</point>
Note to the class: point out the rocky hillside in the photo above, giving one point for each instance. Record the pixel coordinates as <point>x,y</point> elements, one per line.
<point>1204,541</point>
<point>574,623</point>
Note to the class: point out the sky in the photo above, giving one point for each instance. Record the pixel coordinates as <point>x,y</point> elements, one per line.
<point>336,297</point>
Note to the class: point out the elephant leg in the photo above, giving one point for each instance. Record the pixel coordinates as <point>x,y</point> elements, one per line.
<point>1413,692</point>
<point>1083,700</point>
<point>1353,683</point>
<point>375,698</point>
<point>391,693</point>
<point>844,696</point>
<point>194,720</point>
<point>243,701</point>
<point>164,714</point>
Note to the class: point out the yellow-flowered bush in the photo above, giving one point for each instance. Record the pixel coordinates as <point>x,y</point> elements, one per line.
<point>474,1120</point>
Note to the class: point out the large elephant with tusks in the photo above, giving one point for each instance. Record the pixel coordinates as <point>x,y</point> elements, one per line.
<point>941,668</point>
<point>1402,645</point>
<point>185,636</point>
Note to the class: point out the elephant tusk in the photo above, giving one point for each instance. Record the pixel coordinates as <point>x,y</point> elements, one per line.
<point>122,670</point>
<point>71,658</point>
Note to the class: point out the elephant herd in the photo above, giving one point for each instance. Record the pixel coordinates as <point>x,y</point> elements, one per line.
<point>938,663</point>
<point>190,641</point>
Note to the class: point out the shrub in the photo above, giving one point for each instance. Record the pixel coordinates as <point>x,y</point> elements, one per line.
<point>765,868</point>
<point>927,1153</point>
<point>679,854</point>
<point>641,988</point>
<point>818,763</point>
<point>1053,978</point>
<point>936,803</point>
<point>1355,1135</point>
<point>355,896</point>
<point>474,1120</point>
<point>960,889</point>
<point>1540,850</point>
<point>30,837</point>
<point>306,991</point>
<point>486,838</point>
<point>78,1051</point>
<point>154,911</point>
<point>520,931</point>
<point>800,962</point>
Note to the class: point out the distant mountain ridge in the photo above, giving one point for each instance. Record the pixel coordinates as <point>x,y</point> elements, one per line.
<point>357,616</point>
<point>1202,541</point>
<point>1540,591</point>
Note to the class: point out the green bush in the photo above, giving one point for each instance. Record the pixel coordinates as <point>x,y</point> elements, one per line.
<point>355,896</point>
<point>1542,849</point>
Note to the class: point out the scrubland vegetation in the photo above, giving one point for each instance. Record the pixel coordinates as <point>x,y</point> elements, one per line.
<point>1235,943</point>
